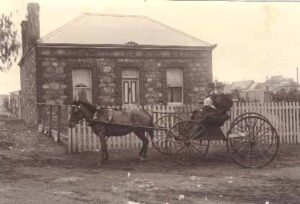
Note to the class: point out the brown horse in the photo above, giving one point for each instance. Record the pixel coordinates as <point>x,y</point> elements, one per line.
<point>83,110</point>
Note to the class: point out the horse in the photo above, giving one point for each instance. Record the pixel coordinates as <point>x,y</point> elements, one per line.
<point>84,110</point>
<point>222,104</point>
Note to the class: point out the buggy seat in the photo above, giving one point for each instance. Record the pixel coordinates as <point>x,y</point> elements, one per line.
<point>212,119</point>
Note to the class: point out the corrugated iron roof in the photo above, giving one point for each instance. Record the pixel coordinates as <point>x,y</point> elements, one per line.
<point>98,29</point>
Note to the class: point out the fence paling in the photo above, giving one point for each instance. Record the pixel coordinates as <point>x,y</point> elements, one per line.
<point>282,123</point>
<point>297,122</point>
<point>284,116</point>
<point>285,123</point>
<point>293,122</point>
<point>290,123</point>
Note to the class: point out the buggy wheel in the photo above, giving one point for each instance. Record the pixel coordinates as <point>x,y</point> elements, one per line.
<point>252,142</point>
<point>247,114</point>
<point>187,142</point>
<point>160,135</point>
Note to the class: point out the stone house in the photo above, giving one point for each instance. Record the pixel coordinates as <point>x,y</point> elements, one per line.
<point>111,60</point>
<point>257,92</point>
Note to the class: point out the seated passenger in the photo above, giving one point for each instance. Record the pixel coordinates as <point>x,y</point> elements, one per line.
<point>209,112</point>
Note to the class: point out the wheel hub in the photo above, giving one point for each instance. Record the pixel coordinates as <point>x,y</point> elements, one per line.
<point>187,143</point>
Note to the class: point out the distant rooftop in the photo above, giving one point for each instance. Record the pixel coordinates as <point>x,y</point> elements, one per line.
<point>98,29</point>
<point>241,85</point>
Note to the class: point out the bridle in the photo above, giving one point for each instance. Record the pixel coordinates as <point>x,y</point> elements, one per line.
<point>78,108</point>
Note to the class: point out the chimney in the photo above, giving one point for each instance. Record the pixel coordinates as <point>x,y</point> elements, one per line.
<point>33,32</point>
<point>24,27</point>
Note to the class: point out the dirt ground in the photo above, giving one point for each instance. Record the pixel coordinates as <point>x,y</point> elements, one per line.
<point>34,169</point>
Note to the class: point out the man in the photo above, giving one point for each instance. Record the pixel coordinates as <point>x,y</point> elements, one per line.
<point>209,111</point>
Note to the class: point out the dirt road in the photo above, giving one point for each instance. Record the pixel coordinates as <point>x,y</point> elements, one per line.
<point>33,169</point>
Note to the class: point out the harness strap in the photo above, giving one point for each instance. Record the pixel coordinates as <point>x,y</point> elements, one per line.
<point>110,113</point>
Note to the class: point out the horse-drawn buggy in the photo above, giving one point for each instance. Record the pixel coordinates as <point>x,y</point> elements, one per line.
<point>251,139</point>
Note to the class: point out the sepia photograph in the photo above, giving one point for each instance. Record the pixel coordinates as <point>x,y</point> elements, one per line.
<point>149,102</point>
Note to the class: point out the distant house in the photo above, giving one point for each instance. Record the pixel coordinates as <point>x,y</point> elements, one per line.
<point>249,91</point>
<point>241,85</point>
<point>279,83</point>
<point>257,92</point>
<point>111,60</point>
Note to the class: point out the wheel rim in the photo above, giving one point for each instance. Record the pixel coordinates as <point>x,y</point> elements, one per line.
<point>159,139</point>
<point>252,142</point>
<point>187,143</point>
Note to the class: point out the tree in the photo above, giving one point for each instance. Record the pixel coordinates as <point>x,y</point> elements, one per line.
<point>287,96</point>
<point>9,45</point>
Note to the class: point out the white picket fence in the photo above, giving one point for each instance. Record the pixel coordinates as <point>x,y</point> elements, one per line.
<point>285,117</point>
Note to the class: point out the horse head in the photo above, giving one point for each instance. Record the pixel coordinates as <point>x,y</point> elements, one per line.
<point>79,111</point>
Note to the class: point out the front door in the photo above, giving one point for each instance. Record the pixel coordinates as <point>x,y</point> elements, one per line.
<point>130,86</point>
<point>130,91</point>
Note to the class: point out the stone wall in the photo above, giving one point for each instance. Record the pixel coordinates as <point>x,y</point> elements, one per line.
<point>54,73</point>
<point>28,88</point>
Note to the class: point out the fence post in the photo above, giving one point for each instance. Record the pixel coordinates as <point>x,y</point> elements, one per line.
<point>42,115</point>
<point>58,123</point>
<point>38,114</point>
<point>50,121</point>
<point>39,117</point>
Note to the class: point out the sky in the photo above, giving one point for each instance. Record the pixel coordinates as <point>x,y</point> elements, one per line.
<point>255,40</point>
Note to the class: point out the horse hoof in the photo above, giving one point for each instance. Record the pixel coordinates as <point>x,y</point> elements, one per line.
<point>142,159</point>
<point>102,163</point>
<point>99,164</point>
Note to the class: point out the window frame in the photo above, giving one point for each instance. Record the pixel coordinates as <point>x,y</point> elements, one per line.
<point>182,87</point>
<point>81,88</point>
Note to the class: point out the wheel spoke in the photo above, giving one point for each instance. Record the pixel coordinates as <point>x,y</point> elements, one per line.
<point>188,147</point>
<point>160,141</point>
<point>258,146</point>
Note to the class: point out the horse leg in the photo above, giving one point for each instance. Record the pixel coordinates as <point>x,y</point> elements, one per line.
<point>104,154</point>
<point>101,134</point>
<point>145,141</point>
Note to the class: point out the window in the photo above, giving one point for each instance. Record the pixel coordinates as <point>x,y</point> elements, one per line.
<point>175,85</point>
<point>82,84</point>
<point>130,86</point>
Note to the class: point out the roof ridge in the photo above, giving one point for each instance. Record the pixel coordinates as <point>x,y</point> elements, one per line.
<point>178,31</point>
<point>116,15</point>
<point>66,25</point>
